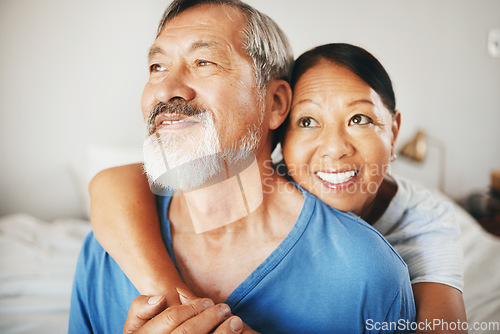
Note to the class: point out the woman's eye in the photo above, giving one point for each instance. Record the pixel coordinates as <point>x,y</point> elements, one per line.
<point>360,120</point>
<point>156,68</point>
<point>307,122</point>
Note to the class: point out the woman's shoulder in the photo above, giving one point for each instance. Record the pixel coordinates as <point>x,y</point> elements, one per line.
<point>421,225</point>
<point>416,210</point>
<point>413,199</point>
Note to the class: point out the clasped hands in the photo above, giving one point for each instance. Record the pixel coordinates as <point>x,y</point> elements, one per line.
<point>151,314</point>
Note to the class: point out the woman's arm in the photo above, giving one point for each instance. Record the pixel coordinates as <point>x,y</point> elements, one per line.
<point>439,303</point>
<point>125,222</point>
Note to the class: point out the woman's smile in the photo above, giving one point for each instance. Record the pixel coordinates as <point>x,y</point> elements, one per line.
<point>339,124</point>
<point>338,179</point>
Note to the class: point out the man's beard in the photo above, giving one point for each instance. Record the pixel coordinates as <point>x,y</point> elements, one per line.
<point>190,158</point>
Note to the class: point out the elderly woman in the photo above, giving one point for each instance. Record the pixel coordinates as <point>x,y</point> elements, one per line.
<point>337,143</point>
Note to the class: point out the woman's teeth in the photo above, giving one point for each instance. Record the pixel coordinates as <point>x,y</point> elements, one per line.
<point>336,178</point>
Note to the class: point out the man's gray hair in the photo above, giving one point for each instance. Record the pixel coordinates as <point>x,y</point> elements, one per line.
<point>264,42</point>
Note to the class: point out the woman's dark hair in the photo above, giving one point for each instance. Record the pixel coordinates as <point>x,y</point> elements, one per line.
<point>355,59</point>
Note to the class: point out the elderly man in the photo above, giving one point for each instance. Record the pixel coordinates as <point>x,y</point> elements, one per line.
<point>216,91</point>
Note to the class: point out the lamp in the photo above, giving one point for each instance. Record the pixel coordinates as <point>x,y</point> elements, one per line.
<point>416,150</point>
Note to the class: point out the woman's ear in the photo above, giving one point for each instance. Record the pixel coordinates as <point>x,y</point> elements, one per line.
<point>396,124</point>
<point>281,95</point>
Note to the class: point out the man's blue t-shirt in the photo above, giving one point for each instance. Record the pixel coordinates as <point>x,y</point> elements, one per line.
<point>332,273</point>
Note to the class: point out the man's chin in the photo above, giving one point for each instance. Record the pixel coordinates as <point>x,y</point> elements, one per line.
<point>197,173</point>
<point>186,176</point>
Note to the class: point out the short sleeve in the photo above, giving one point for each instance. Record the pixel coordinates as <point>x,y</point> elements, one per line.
<point>400,315</point>
<point>422,227</point>
<point>79,317</point>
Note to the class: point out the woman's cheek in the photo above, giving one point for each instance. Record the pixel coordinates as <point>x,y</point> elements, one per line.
<point>294,148</point>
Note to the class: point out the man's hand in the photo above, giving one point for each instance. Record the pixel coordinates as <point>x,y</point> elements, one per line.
<point>196,315</point>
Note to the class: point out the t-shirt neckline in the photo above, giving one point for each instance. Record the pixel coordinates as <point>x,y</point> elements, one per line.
<point>263,269</point>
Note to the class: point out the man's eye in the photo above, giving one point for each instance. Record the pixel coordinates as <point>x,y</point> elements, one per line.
<point>307,122</point>
<point>156,68</point>
<point>202,63</point>
<point>360,120</point>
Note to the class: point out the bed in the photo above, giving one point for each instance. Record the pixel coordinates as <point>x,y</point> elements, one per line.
<point>37,263</point>
<point>37,260</point>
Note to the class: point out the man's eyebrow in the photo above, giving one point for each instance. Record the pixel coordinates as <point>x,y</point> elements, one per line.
<point>155,50</point>
<point>204,45</point>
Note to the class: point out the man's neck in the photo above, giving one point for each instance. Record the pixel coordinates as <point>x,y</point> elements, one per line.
<point>216,262</point>
<point>244,201</point>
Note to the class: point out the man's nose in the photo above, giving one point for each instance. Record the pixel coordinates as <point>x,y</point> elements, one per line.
<point>175,85</point>
<point>335,142</point>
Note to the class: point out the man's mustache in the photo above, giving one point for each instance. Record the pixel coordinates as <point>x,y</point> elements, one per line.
<point>176,107</point>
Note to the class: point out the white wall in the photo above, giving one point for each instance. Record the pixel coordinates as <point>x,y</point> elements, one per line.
<point>72,73</point>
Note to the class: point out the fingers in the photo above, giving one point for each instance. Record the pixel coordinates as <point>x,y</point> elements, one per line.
<point>150,315</point>
<point>196,316</point>
<point>181,295</point>
<point>231,326</point>
<point>185,295</point>
<point>234,325</point>
<point>172,298</point>
<point>142,309</point>
<point>206,321</point>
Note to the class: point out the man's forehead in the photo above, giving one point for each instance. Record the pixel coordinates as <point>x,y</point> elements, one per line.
<point>209,16</point>
<point>230,11</point>
<point>203,27</point>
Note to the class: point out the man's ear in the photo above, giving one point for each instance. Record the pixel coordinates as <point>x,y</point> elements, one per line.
<point>281,95</point>
<point>396,125</point>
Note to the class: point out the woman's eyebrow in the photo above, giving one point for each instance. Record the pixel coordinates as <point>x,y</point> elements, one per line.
<point>360,101</point>
<point>306,101</point>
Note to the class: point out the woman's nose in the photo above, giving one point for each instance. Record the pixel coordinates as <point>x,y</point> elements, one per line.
<point>175,85</point>
<point>335,143</point>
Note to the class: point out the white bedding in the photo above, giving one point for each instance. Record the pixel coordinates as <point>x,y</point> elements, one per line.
<point>37,261</point>
<point>481,272</point>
